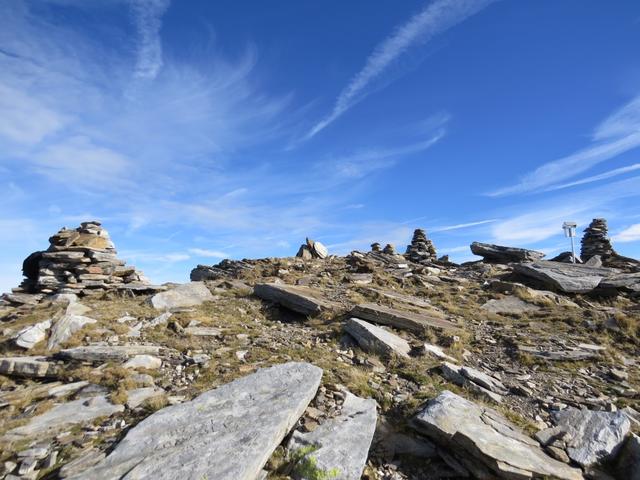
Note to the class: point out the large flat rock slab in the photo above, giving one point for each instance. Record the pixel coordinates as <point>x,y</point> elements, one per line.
<point>400,319</point>
<point>31,367</point>
<point>340,446</point>
<point>187,295</point>
<point>500,254</point>
<point>471,430</point>
<point>227,433</point>
<point>510,305</point>
<point>372,338</point>
<point>302,300</point>
<point>566,277</point>
<point>65,327</point>
<point>107,353</point>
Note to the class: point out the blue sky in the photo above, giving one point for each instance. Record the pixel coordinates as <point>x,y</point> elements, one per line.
<point>197,130</point>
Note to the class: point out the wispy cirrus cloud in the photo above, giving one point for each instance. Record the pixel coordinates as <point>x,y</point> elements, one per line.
<point>460,226</point>
<point>147,15</point>
<point>617,134</point>
<point>629,234</point>
<point>435,18</point>
<point>595,178</point>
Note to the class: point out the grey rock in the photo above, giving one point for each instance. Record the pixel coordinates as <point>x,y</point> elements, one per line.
<point>491,440</point>
<point>592,436</point>
<point>149,362</point>
<point>567,355</point>
<point>628,461</point>
<point>401,319</point>
<point>203,331</point>
<point>138,396</point>
<point>500,254</point>
<point>34,367</point>
<point>187,295</point>
<point>227,433</point>
<point>106,353</point>
<point>566,277</point>
<point>375,339</point>
<point>340,445</point>
<point>85,460</point>
<point>29,336</point>
<point>471,378</point>
<point>64,415</point>
<point>595,261</point>
<point>510,305</point>
<point>625,282</point>
<point>437,352</point>
<point>64,327</point>
<point>299,299</point>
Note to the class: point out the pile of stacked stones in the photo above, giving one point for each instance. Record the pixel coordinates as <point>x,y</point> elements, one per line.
<point>421,248</point>
<point>82,261</point>
<point>596,241</point>
<point>312,249</point>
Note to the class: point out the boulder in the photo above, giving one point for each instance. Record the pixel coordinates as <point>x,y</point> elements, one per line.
<point>31,367</point>
<point>29,336</point>
<point>401,319</point>
<point>566,277</point>
<point>481,433</point>
<point>375,339</point>
<point>302,300</point>
<point>340,446</point>
<point>628,461</point>
<point>187,295</point>
<point>500,254</point>
<point>227,433</point>
<point>64,327</point>
<point>592,437</point>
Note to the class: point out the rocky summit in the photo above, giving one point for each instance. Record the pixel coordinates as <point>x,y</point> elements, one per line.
<point>371,365</point>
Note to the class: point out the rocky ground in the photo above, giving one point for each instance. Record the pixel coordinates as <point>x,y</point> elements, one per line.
<point>474,374</point>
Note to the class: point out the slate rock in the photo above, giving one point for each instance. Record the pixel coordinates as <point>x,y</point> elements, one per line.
<point>32,367</point>
<point>29,336</point>
<point>340,446</point>
<point>64,327</point>
<point>501,254</point>
<point>227,433</point>
<point>566,277</point>
<point>474,380</point>
<point>401,319</point>
<point>592,436</point>
<point>372,338</point>
<point>302,300</point>
<point>107,353</point>
<point>187,295</point>
<point>628,461</point>
<point>485,437</point>
<point>138,396</point>
<point>149,362</point>
<point>510,305</point>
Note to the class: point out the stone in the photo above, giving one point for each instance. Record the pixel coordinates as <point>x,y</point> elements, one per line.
<point>138,396</point>
<point>227,433</point>
<point>339,446</point>
<point>500,254</point>
<point>107,353</point>
<point>65,327</point>
<point>592,436</point>
<point>64,415</point>
<point>85,460</point>
<point>420,249</point>
<point>595,261</point>
<point>437,352</point>
<point>566,257</point>
<point>511,305</point>
<point>401,319</point>
<point>312,249</point>
<point>596,241</point>
<point>143,361</point>
<point>474,380</point>
<point>471,430</point>
<point>566,277</point>
<point>31,367</point>
<point>186,295</point>
<point>376,247</point>
<point>566,355</point>
<point>375,339</point>
<point>628,462</point>
<point>389,249</point>
<point>29,336</point>
<point>300,299</point>
<point>203,331</point>
<point>625,282</point>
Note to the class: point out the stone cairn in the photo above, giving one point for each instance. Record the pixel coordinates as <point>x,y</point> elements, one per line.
<point>312,249</point>
<point>389,249</point>
<point>421,248</point>
<point>81,261</point>
<point>375,247</point>
<point>596,241</point>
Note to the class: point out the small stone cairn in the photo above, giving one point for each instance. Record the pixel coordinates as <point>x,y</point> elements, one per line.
<point>421,248</point>
<point>82,261</point>
<point>389,249</point>
<point>312,249</point>
<point>596,241</point>
<point>376,247</point>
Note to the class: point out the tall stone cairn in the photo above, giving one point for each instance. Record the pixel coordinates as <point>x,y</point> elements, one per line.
<point>82,261</point>
<point>596,241</point>
<point>420,249</point>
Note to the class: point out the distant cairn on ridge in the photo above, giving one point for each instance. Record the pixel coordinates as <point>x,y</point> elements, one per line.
<point>312,249</point>
<point>596,241</point>
<point>81,261</point>
<point>421,249</point>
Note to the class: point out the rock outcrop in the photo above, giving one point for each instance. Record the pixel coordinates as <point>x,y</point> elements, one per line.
<point>420,249</point>
<point>566,277</point>
<point>500,254</point>
<point>312,249</point>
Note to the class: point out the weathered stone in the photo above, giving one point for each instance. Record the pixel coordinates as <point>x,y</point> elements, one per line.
<point>510,305</point>
<point>592,436</point>
<point>227,433</point>
<point>106,353</point>
<point>64,415</point>
<point>437,352</point>
<point>143,361</point>
<point>375,339</point>
<point>29,336</point>
<point>567,355</point>
<point>202,331</point>
<point>489,438</point>
<point>138,396</point>
<point>401,319</point>
<point>186,295</point>
<point>474,380</point>
<point>86,459</point>
<point>299,299</point>
<point>64,327</point>
<point>566,277</point>
<point>340,446</point>
<point>625,282</point>
<point>628,461</point>
<point>500,254</point>
<point>34,367</point>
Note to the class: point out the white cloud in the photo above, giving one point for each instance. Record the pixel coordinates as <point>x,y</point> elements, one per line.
<point>595,178</point>
<point>461,225</point>
<point>630,234</point>
<point>201,252</point>
<point>147,16</point>
<point>435,18</point>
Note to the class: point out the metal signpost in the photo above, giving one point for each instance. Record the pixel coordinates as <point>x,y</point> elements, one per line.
<point>570,231</point>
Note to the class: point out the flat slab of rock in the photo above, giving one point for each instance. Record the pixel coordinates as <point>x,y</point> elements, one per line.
<point>106,353</point>
<point>340,446</point>
<point>299,299</point>
<point>227,433</point>
<point>65,326</point>
<point>203,331</point>
<point>29,336</point>
<point>626,282</point>
<point>138,396</point>
<point>480,432</point>
<point>474,380</point>
<point>400,319</point>
<point>32,367</point>
<point>64,415</point>
<point>187,295</point>
<point>592,436</point>
<point>510,305</point>
<point>566,277</point>
<point>567,355</point>
<point>501,254</point>
<point>372,338</point>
